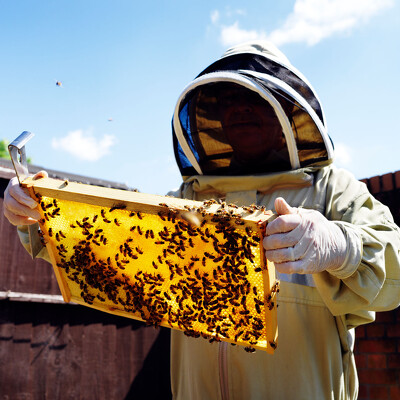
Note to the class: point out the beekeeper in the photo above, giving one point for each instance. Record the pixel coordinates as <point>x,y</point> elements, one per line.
<point>251,130</point>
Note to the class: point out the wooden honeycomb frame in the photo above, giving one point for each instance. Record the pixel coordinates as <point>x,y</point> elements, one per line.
<point>194,266</point>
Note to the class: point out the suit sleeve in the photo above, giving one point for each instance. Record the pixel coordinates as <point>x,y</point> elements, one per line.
<point>369,280</point>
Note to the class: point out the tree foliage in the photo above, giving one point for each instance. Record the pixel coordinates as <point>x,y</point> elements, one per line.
<point>4,151</point>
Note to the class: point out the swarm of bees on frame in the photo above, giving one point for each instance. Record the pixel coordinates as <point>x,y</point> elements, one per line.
<point>195,271</point>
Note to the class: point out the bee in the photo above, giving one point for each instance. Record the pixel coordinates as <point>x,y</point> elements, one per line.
<point>61,234</point>
<point>140,251</point>
<point>116,222</point>
<point>95,218</point>
<point>50,232</point>
<point>209,255</point>
<point>258,269</point>
<point>161,215</point>
<point>273,344</point>
<point>140,232</point>
<point>139,215</point>
<point>275,287</point>
<point>248,230</point>
<point>118,206</point>
<point>167,296</point>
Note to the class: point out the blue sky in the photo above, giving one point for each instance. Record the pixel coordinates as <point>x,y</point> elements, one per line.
<point>123,64</point>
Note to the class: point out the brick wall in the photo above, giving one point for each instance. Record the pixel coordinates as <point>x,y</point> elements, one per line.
<point>377,347</point>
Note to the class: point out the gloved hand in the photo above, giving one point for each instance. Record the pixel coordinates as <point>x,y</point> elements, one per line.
<point>18,207</point>
<point>303,241</point>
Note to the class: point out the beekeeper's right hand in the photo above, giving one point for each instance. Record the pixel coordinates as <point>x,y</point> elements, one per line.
<point>18,207</point>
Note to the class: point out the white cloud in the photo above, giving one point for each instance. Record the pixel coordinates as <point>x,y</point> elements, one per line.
<point>84,145</point>
<point>232,34</point>
<point>214,16</point>
<point>343,155</point>
<point>311,21</point>
<point>314,20</point>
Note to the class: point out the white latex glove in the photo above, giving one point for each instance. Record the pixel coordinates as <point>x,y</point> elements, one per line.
<point>18,207</point>
<point>303,241</point>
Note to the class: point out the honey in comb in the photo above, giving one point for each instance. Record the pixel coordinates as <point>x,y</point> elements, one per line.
<point>204,278</point>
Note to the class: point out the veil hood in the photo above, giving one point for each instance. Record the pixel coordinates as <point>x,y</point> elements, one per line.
<point>200,146</point>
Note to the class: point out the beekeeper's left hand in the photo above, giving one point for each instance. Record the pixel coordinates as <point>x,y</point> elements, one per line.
<point>303,241</point>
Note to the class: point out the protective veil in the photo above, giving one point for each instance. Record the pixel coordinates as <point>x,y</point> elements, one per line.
<point>200,141</point>
<point>317,312</point>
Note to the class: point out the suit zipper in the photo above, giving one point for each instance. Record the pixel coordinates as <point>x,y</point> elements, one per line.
<point>223,369</point>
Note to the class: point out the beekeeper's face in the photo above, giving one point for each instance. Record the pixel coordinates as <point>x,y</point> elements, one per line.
<point>250,124</point>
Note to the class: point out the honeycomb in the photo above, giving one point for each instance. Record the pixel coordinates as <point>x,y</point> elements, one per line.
<point>194,266</point>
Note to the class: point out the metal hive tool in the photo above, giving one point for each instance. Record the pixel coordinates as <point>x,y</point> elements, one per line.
<point>194,266</point>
